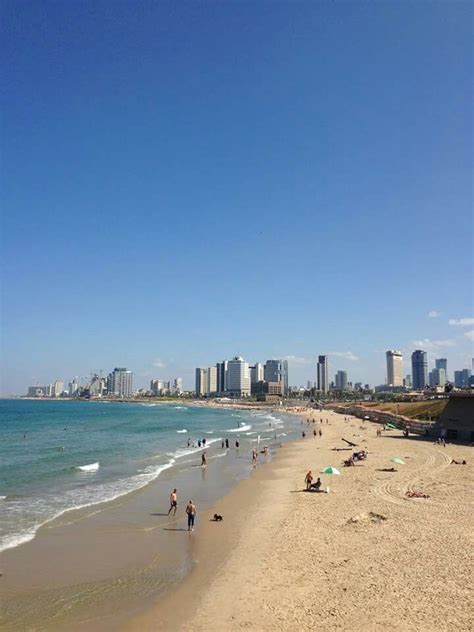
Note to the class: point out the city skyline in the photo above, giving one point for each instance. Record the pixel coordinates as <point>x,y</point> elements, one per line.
<point>214,375</point>
<point>190,184</point>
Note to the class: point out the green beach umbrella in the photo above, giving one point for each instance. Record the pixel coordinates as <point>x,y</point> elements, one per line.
<point>397,459</point>
<point>330,470</point>
<point>391,426</point>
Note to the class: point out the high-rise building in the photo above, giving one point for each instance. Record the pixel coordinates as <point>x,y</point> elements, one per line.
<point>73,387</point>
<point>272,371</point>
<point>58,388</point>
<point>462,378</point>
<point>419,369</point>
<point>257,373</point>
<point>341,380</point>
<point>119,382</point>
<point>202,382</point>
<point>178,385</point>
<point>442,363</point>
<point>437,377</point>
<point>277,371</point>
<point>408,381</point>
<point>238,377</point>
<point>212,380</point>
<point>97,386</point>
<point>394,368</point>
<point>323,374</point>
<point>284,377</point>
<point>222,376</point>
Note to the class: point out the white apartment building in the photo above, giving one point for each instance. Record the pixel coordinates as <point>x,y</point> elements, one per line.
<point>238,377</point>
<point>119,382</point>
<point>212,380</point>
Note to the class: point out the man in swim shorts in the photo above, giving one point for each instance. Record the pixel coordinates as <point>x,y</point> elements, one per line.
<point>173,502</point>
<point>191,511</point>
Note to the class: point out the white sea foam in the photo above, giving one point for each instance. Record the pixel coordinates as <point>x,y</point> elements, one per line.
<point>92,467</point>
<point>2,497</point>
<point>218,456</point>
<point>180,452</point>
<point>181,408</point>
<point>103,494</point>
<point>241,428</point>
<point>182,431</point>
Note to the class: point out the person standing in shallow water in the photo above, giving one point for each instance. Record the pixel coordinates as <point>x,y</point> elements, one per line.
<point>191,511</point>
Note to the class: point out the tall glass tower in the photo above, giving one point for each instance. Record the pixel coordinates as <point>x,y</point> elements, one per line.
<point>419,369</point>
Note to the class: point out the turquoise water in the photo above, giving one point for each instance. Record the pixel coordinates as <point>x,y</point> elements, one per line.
<point>60,455</point>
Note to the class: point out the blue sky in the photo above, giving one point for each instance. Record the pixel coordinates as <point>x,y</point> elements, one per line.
<point>187,181</point>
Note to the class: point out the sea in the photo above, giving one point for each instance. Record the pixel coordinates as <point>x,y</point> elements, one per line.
<point>57,456</point>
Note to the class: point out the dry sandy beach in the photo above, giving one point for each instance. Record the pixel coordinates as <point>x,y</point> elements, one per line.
<point>363,556</point>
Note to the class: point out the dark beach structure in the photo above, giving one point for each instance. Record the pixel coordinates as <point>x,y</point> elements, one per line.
<point>456,422</point>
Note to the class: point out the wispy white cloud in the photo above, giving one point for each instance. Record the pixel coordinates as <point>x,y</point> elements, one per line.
<point>348,355</point>
<point>299,360</point>
<point>463,322</point>
<point>434,313</point>
<point>158,363</point>
<point>470,334</point>
<point>427,344</point>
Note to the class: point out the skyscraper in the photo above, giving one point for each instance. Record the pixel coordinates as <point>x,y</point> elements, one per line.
<point>394,368</point>
<point>437,377</point>
<point>238,377</point>
<point>257,373</point>
<point>442,363</point>
<point>461,378</point>
<point>419,369</point>
<point>341,380</point>
<point>119,382</point>
<point>284,377</point>
<point>202,382</point>
<point>277,371</point>
<point>323,374</point>
<point>272,371</point>
<point>222,376</point>
<point>212,380</point>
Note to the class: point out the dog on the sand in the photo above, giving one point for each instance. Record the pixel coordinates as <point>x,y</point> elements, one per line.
<point>218,518</point>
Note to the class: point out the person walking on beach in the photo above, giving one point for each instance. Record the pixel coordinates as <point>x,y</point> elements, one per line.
<point>173,502</point>
<point>203,460</point>
<point>227,443</point>
<point>314,433</point>
<point>254,457</point>
<point>320,432</point>
<point>308,479</point>
<point>191,511</point>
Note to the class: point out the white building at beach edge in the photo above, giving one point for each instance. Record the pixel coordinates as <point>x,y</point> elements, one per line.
<point>238,377</point>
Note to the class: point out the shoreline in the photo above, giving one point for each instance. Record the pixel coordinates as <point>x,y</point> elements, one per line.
<point>109,546</point>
